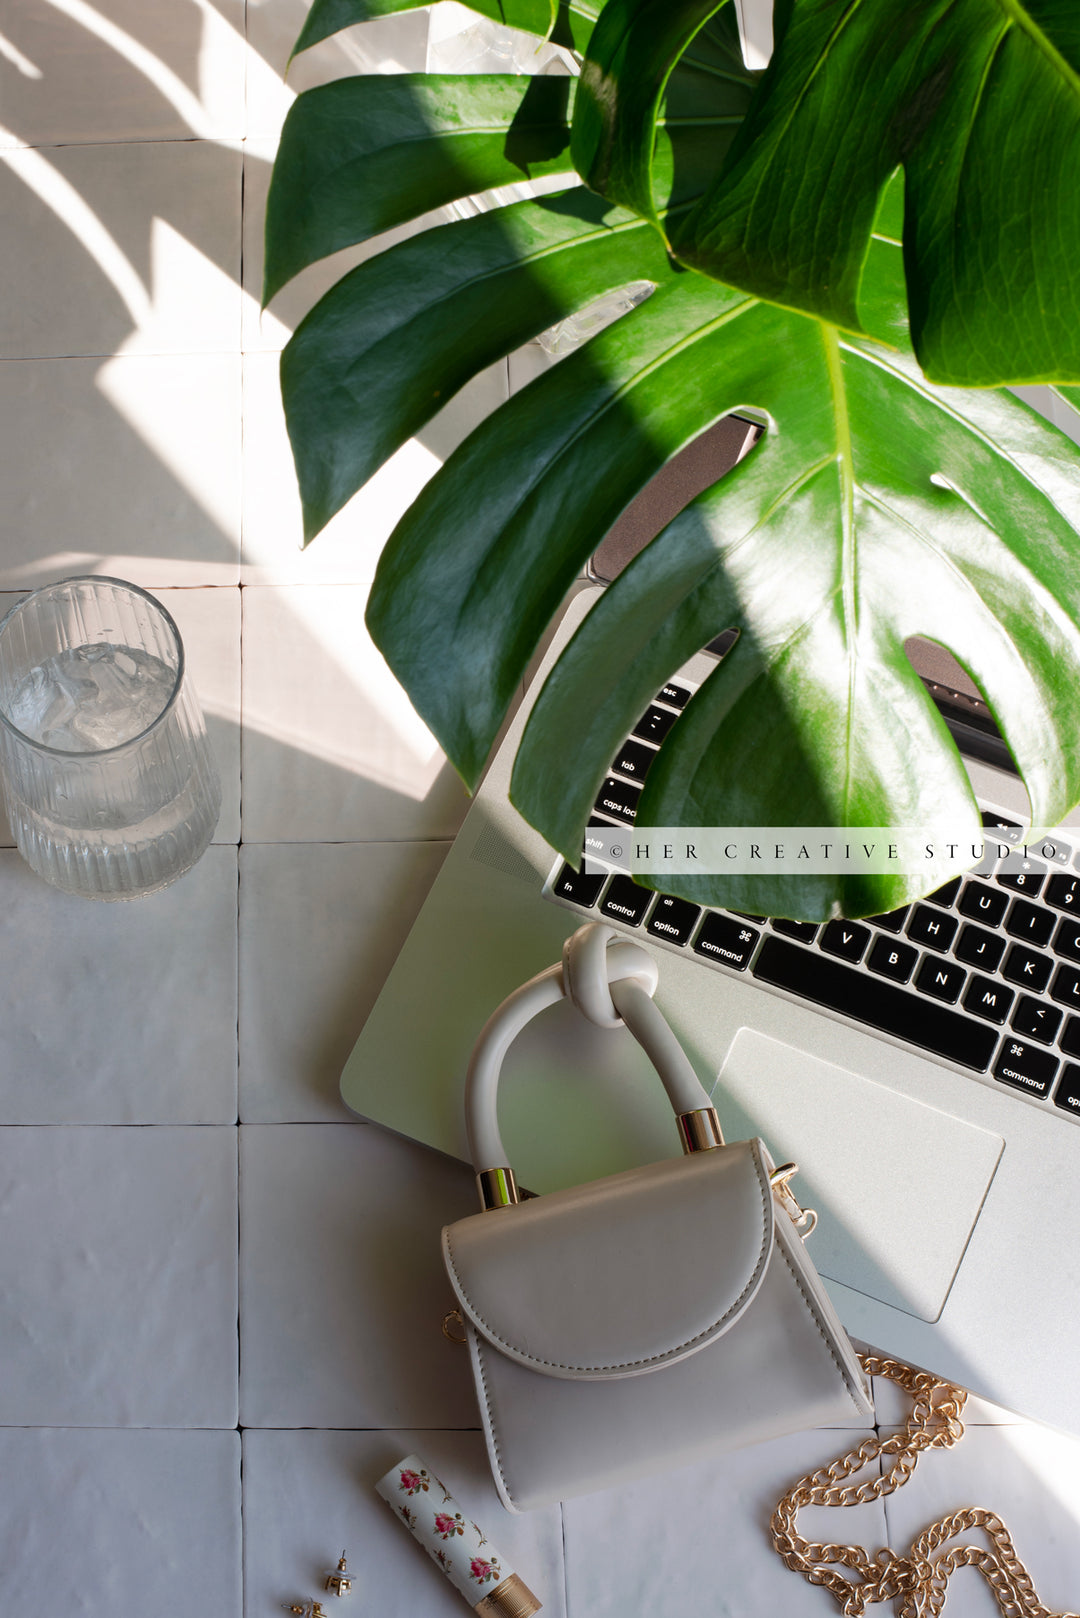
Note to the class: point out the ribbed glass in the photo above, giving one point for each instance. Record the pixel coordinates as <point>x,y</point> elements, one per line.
<point>109,782</point>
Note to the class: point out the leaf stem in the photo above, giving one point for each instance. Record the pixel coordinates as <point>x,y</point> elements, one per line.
<point>686,60</point>
<point>830,338</point>
<point>1021,18</point>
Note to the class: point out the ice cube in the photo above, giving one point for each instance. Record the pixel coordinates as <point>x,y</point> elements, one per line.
<point>88,698</point>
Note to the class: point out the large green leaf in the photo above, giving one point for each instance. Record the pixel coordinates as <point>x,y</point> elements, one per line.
<point>328,17</point>
<point>569,22</point>
<point>397,337</point>
<point>878,506</point>
<point>466,586</point>
<point>979,100</point>
<point>361,155</point>
<point>633,51</point>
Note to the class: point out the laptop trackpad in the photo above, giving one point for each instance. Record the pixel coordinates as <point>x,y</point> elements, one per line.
<point>897,1185</point>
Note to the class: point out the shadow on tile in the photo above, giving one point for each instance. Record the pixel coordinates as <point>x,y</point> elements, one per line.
<point>333,750</point>
<point>128,466</point>
<point>123,71</point>
<point>320,927</point>
<point>131,246</point>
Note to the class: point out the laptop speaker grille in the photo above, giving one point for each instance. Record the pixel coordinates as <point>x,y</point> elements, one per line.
<point>491,848</point>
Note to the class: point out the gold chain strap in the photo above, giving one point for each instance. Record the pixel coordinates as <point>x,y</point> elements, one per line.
<point>918,1581</point>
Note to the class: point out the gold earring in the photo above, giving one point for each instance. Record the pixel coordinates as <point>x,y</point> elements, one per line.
<point>339,1579</point>
<point>307,1609</point>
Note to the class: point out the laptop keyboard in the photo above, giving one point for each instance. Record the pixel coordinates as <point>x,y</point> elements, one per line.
<point>983,974</point>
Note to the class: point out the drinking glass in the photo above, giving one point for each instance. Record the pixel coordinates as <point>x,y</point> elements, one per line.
<point>109,782</point>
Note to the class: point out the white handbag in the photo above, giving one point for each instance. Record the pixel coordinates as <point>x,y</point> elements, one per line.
<point>651,1318</point>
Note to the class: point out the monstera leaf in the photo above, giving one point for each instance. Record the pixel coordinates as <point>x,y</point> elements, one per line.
<point>978,100</point>
<point>328,17</point>
<point>877,505</point>
<point>386,348</point>
<point>569,22</point>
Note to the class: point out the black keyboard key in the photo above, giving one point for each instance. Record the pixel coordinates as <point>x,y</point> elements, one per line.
<point>579,888</point>
<point>1063,892</point>
<point>726,940</point>
<point>945,896</point>
<point>846,939</point>
<point>626,901</point>
<point>1028,968</point>
<point>1036,1020</point>
<point>883,1006</point>
<point>673,919</point>
<point>984,904</point>
<point>988,999</point>
<point>1067,940</point>
<point>1070,1038</point>
<point>1010,830</point>
<point>977,947</point>
<point>1032,923</point>
<point>748,915</point>
<point>1067,1094</point>
<point>1054,850</point>
<point>1025,1067</point>
<point>654,723</point>
<point>892,959</point>
<point>1022,876</point>
<point>804,931</point>
<point>942,979</point>
<point>633,759</point>
<point>893,920</point>
<point>619,800</point>
<point>931,928</point>
<point>676,696</point>
<point>1066,986</point>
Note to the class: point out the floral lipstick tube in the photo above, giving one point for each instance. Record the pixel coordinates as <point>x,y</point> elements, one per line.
<point>467,1557</point>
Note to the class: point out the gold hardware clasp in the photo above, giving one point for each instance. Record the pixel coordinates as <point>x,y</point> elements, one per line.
<point>699,1131</point>
<point>497,1188</point>
<point>804,1219</point>
<point>454,1318</point>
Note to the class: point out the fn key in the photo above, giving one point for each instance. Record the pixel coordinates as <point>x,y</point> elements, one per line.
<point>578,887</point>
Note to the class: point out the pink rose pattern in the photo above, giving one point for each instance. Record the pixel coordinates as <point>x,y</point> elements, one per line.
<point>446,1526</point>
<point>414,1482</point>
<point>482,1570</point>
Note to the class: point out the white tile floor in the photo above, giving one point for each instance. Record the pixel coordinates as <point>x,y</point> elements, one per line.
<point>160,1284</point>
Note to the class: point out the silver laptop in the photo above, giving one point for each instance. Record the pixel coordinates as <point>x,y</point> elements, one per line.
<point>922,1068</point>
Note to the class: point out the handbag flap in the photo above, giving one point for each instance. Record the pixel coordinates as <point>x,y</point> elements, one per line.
<point>623,1275</point>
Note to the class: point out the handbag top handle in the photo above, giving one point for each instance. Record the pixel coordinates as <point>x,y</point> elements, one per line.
<point>611,981</point>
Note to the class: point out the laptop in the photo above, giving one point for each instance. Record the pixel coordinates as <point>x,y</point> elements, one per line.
<point>923,1068</point>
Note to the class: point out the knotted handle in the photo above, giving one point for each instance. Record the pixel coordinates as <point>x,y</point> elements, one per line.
<point>611,981</point>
